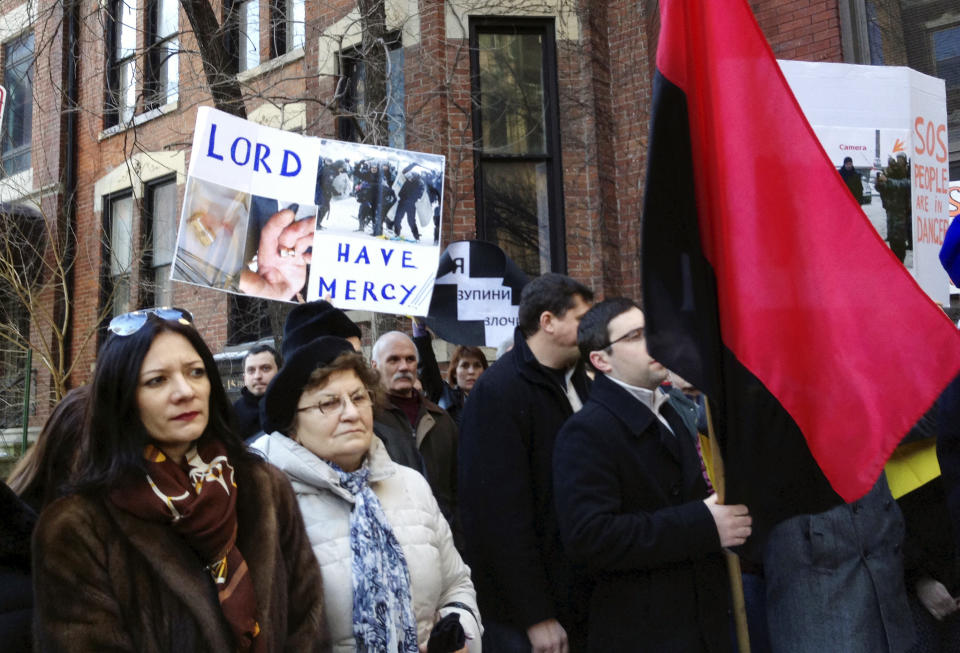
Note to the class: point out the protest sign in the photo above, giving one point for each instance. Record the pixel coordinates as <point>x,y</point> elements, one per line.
<point>950,252</point>
<point>476,296</point>
<point>282,216</point>
<point>892,122</point>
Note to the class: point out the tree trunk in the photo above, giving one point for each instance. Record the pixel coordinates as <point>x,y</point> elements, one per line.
<point>220,64</point>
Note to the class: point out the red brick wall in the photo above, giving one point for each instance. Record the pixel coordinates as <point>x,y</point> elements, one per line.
<point>808,30</point>
<point>604,90</point>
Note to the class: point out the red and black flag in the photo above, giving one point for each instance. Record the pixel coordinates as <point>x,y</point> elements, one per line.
<point>766,286</point>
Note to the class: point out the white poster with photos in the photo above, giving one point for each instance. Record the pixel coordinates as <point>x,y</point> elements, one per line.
<point>277,215</point>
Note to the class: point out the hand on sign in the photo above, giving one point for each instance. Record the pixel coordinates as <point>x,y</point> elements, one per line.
<point>282,258</point>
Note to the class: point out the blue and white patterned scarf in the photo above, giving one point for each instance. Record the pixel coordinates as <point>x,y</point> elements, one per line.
<point>383,619</point>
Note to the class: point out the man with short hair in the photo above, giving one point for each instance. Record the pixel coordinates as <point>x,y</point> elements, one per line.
<point>260,365</point>
<point>527,590</point>
<point>409,411</point>
<point>633,504</point>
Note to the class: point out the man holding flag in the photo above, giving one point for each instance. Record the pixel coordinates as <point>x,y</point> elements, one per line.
<point>816,348</point>
<point>633,504</point>
<point>766,300</point>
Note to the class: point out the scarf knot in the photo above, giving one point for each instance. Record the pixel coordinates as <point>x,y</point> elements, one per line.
<point>354,482</point>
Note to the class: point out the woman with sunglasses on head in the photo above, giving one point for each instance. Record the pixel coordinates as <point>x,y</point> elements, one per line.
<point>390,568</point>
<point>175,537</point>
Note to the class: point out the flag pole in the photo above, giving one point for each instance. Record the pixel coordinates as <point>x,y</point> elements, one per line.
<point>733,561</point>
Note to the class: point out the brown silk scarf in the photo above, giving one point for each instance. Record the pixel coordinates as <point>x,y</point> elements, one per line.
<point>199,501</point>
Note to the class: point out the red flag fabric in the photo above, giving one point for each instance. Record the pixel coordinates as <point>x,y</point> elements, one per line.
<point>765,284</point>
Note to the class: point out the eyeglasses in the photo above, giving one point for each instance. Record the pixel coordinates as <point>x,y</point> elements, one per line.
<point>630,336</point>
<point>128,323</point>
<point>332,405</point>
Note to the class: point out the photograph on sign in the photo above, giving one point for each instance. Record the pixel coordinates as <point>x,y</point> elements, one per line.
<point>231,240</point>
<point>282,216</point>
<point>891,122</point>
<point>380,192</point>
<point>875,166</point>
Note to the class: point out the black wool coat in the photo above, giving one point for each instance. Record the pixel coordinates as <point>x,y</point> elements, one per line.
<point>247,410</point>
<point>509,424</point>
<point>108,581</point>
<point>16,589</point>
<point>629,497</point>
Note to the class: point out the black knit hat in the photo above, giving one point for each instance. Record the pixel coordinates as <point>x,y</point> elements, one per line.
<point>312,320</point>
<point>279,403</point>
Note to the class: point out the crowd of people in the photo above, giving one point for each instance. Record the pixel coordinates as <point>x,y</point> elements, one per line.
<point>378,187</point>
<point>555,500</point>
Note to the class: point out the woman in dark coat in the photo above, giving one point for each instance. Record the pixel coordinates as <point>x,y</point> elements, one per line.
<point>48,465</point>
<point>16,594</point>
<point>176,537</point>
<point>466,366</point>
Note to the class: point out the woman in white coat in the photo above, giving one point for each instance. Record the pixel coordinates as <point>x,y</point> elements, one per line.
<point>390,569</point>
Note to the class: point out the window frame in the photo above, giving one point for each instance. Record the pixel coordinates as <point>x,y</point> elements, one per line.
<point>113,111</point>
<point>156,49</point>
<point>347,60</point>
<point>107,279</point>
<point>148,268</point>
<point>933,52</point>
<point>27,148</point>
<point>239,7</point>
<point>546,28</point>
<point>282,30</point>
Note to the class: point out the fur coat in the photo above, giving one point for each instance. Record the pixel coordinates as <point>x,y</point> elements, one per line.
<point>106,580</point>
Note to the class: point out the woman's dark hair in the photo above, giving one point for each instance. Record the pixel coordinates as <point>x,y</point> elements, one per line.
<point>115,434</point>
<point>49,464</point>
<point>461,352</point>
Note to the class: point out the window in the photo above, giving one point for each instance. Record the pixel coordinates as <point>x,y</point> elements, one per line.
<point>517,159</point>
<point>162,70</point>
<point>121,68</point>
<point>288,19</point>
<point>352,126</point>
<point>118,251</point>
<point>249,46</point>
<point>18,121</point>
<point>946,55</point>
<point>160,227</point>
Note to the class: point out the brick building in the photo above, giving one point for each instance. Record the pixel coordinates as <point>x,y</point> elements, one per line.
<point>540,106</point>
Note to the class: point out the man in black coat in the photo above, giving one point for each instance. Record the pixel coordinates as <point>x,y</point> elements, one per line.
<point>260,365</point>
<point>633,505</point>
<point>526,589</point>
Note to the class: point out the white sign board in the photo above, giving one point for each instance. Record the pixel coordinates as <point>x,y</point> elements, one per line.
<point>883,117</point>
<point>273,214</point>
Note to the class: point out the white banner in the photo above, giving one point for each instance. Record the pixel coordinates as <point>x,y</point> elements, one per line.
<point>273,214</point>
<point>891,122</point>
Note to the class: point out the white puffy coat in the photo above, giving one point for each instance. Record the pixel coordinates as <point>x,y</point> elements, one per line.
<point>438,576</point>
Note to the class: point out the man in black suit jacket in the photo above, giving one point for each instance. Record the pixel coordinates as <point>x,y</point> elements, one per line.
<point>633,503</point>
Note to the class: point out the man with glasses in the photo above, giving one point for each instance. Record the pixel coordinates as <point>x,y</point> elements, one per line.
<point>633,504</point>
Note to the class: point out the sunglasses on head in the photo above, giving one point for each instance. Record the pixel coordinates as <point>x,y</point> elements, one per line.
<point>124,325</point>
